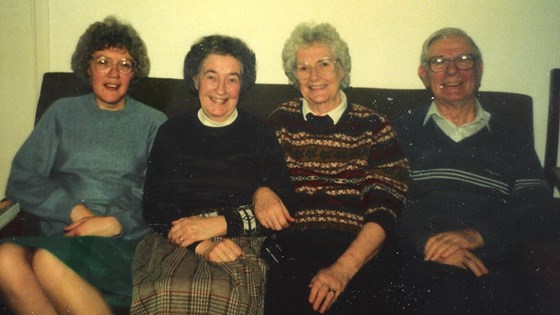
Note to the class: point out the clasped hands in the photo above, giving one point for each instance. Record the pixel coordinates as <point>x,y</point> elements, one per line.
<point>186,231</point>
<point>268,208</point>
<point>86,223</point>
<point>455,248</point>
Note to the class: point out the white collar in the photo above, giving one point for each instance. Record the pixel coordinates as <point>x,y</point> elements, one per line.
<point>209,123</point>
<point>334,114</point>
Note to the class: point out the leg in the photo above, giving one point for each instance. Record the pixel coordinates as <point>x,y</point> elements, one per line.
<point>18,283</point>
<point>68,291</point>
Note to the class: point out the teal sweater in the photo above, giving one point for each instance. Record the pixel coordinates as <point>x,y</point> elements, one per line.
<point>79,153</point>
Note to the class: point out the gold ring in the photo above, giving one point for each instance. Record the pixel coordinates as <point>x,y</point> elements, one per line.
<point>332,290</point>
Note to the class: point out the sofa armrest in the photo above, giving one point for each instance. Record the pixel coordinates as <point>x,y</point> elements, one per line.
<point>14,222</point>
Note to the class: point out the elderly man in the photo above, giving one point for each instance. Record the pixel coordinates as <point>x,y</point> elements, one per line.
<point>475,183</point>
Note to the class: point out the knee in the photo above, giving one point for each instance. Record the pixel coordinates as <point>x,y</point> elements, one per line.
<point>14,263</point>
<point>10,254</point>
<point>45,264</point>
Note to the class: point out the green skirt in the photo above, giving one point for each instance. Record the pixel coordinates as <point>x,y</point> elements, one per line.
<point>104,262</point>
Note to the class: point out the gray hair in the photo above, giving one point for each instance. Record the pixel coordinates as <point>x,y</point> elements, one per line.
<point>307,34</point>
<point>446,33</point>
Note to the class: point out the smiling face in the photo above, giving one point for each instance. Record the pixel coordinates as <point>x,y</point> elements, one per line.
<point>453,86</point>
<point>218,84</point>
<point>320,90</point>
<point>110,86</point>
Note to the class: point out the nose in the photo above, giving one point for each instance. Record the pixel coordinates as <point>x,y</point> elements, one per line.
<point>451,67</point>
<point>313,73</point>
<point>221,87</point>
<point>113,71</point>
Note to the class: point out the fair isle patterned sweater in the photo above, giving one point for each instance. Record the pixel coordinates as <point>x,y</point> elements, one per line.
<point>344,175</point>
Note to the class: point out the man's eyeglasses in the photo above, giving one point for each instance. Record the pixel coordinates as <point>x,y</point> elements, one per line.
<point>323,67</point>
<point>104,64</point>
<point>463,62</point>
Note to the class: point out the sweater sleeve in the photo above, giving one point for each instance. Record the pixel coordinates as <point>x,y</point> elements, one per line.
<point>530,206</point>
<point>127,207</point>
<point>157,201</point>
<point>29,182</point>
<point>274,175</point>
<point>386,181</point>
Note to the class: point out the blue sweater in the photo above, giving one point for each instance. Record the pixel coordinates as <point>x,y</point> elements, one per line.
<point>79,153</point>
<point>490,182</point>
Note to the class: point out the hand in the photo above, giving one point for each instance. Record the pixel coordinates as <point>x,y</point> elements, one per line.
<point>464,259</point>
<point>270,210</point>
<point>6,203</point>
<point>94,226</point>
<point>327,285</point>
<point>186,231</point>
<point>445,244</point>
<point>79,212</point>
<point>223,251</point>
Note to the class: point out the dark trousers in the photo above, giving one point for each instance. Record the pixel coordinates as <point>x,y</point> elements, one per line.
<point>444,289</point>
<point>367,293</point>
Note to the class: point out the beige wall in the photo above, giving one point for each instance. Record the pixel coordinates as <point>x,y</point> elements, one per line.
<point>519,39</point>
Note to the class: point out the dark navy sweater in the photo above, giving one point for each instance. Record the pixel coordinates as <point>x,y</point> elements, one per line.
<point>491,181</point>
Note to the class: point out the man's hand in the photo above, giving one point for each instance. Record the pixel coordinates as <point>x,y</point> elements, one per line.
<point>464,259</point>
<point>186,231</point>
<point>219,252</point>
<point>442,245</point>
<point>94,226</point>
<point>270,210</point>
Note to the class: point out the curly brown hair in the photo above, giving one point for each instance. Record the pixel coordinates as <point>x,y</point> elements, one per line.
<point>110,33</point>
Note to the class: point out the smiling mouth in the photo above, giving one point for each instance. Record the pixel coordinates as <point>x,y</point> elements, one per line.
<point>218,100</point>
<point>450,84</point>
<point>317,87</point>
<point>112,86</point>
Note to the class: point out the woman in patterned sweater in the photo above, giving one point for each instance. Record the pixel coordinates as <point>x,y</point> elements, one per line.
<point>350,175</point>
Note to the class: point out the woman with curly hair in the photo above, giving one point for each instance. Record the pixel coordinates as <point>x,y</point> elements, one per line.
<point>81,172</point>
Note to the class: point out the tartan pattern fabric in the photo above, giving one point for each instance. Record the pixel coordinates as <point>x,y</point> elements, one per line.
<point>171,280</point>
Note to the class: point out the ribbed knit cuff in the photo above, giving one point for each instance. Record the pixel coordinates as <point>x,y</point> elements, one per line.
<point>241,221</point>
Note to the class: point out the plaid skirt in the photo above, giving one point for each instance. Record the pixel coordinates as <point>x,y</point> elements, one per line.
<point>171,280</point>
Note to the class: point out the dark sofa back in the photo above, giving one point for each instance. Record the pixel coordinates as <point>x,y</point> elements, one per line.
<point>171,96</point>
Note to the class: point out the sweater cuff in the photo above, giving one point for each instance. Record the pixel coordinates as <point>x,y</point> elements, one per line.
<point>241,221</point>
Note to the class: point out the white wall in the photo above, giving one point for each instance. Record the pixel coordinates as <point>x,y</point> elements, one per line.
<point>519,39</point>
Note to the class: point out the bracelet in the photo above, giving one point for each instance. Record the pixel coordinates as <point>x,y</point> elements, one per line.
<point>241,221</point>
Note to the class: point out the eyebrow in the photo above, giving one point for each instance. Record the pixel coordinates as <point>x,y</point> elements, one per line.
<point>320,59</point>
<point>228,74</point>
<point>125,58</point>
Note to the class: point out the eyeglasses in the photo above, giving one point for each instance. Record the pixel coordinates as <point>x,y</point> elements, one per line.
<point>463,62</point>
<point>323,67</point>
<point>104,64</point>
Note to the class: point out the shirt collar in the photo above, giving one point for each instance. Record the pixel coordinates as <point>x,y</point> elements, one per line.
<point>209,123</point>
<point>482,116</point>
<point>335,114</point>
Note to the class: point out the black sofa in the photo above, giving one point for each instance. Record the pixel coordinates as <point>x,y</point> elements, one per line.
<point>171,96</point>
